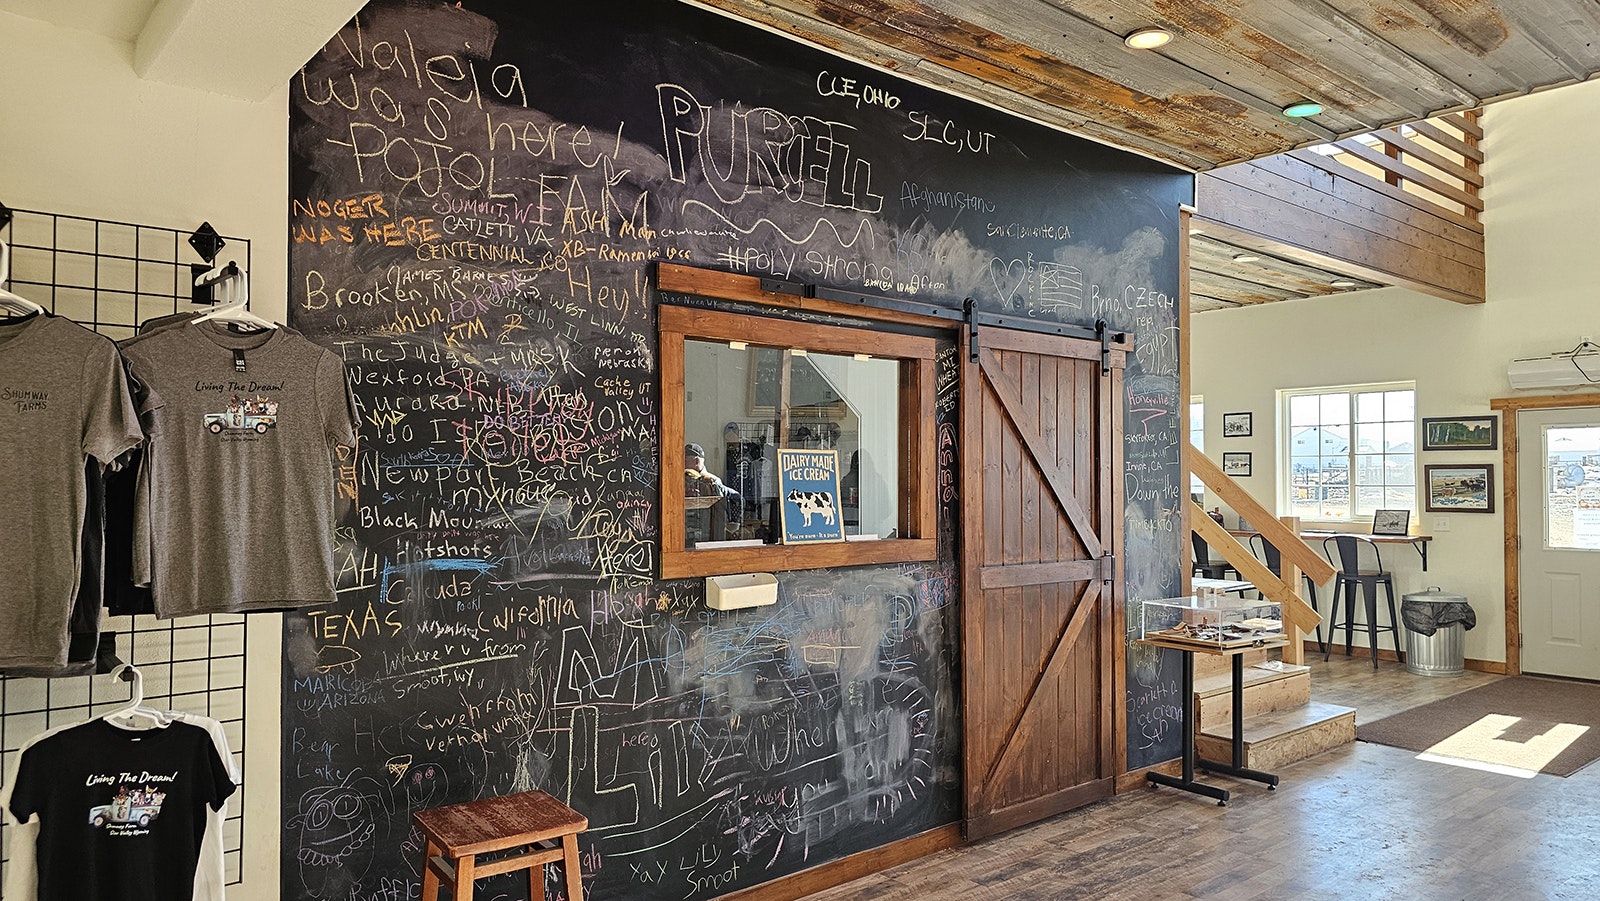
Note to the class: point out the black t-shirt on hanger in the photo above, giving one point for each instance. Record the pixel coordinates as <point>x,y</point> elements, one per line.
<point>121,811</point>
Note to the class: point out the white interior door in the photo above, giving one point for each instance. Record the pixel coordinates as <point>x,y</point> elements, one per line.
<point>1558,487</point>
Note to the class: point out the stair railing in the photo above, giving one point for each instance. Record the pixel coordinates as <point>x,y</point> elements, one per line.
<point>1299,619</point>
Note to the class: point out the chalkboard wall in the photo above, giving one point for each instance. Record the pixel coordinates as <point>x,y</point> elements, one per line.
<point>477,193</point>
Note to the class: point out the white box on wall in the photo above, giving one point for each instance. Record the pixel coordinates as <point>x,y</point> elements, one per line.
<point>737,592</point>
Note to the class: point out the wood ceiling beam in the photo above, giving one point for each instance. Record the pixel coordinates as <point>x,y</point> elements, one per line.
<point>1260,243</point>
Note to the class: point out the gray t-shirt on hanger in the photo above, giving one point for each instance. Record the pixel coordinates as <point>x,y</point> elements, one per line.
<point>236,505</point>
<point>63,399</point>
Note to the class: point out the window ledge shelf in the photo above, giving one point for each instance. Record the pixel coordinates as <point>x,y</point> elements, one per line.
<point>784,557</point>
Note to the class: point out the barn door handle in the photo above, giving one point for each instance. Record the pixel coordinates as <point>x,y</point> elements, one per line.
<point>970,308</point>
<point>1104,337</point>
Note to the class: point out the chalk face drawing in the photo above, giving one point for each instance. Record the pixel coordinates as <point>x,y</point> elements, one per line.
<point>478,195</point>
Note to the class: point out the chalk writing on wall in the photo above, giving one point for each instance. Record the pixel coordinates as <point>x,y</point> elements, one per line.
<point>477,195</point>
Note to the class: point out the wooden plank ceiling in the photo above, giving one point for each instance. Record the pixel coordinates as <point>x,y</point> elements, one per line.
<point>1223,276</point>
<point>1213,95</point>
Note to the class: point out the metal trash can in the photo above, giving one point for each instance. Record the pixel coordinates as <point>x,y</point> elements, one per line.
<point>1442,653</point>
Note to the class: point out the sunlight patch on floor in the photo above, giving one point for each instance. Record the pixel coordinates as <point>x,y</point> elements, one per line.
<point>1481,746</point>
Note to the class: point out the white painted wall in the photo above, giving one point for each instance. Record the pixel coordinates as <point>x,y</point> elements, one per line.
<point>80,133</point>
<point>1542,199</point>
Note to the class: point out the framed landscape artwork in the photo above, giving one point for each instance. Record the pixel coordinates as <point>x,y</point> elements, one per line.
<point>1236,425</point>
<point>1461,433</point>
<point>1459,489</point>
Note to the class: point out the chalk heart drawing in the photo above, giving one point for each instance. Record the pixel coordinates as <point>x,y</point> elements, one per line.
<point>1007,277</point>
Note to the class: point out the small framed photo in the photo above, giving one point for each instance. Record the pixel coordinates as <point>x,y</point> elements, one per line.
<point>1391,522</point>
<point>1236,425</point>
<point>1236,463</point>
<point>1459,489</point>
<point>1461,433</point>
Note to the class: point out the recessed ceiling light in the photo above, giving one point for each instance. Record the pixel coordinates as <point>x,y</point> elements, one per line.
<point>1342,283</point>
<point>1245,258</point>
<point>1302,109</point>
<point>1148,38</point>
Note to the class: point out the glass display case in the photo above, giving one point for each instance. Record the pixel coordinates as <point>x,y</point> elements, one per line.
<point>1216,621</point>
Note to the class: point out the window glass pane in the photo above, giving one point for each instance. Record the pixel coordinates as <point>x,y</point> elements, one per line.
<point>732,415</point>
<point>1303,410</point>
<point>1369,406</point>
<point>1399,497</point>
<point>1399,437</point>
<point>1303,506</point>
<point>1336,501</point>
<point>1368,499</point>
<point>1369,438</point>
<point>1369,469</point>
<point>728,491</point>
<point>1400,469</point>
<point>1306,472</point>
<point>1335,408</point>
<point>861,422</point>
<point>1305,442</point>
<point>1400,405</point>
<point>1336,440</point>
<point>1572,497</point>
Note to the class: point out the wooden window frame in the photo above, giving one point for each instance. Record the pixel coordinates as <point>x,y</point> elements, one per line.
<point>916,465</point>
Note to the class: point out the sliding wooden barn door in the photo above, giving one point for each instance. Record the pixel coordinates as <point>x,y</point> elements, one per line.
<point>1041,522</point>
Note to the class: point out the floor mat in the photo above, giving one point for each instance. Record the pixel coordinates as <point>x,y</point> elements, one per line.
<point>1525,723</point>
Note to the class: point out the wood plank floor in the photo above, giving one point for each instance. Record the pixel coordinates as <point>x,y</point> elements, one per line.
<point>1363,821</point>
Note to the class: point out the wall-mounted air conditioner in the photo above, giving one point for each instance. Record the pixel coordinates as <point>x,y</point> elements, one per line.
<point>1579,366</point>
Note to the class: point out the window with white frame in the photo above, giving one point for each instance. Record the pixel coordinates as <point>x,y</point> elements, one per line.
<point>1348,451</point>
<point>1197,437</point>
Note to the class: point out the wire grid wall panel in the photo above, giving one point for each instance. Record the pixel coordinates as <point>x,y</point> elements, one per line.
<point>111,276</point>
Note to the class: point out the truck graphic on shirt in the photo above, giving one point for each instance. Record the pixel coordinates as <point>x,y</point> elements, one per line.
<point>137,807</point>
<point>257,414</point>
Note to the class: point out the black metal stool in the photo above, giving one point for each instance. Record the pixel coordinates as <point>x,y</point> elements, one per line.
<point>1351,575</point>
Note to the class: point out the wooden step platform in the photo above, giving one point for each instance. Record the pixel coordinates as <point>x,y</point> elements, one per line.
<point>1280,737</point>
<point>1209,665</point>
<point>1264,692</point>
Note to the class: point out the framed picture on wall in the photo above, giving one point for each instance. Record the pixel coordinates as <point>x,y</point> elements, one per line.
<point>1459,489</point>
<point>1391,522</point>
<point>1461,433</point>
<point>1236,425</point>
<point>1236,463</point>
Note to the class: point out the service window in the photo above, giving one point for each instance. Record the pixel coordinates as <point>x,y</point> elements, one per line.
<point>739,387</point>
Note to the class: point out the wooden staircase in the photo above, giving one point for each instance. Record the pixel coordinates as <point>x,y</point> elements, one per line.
<point>1281,722</point>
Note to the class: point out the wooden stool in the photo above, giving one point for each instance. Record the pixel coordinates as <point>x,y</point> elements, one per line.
<point>457,834</point>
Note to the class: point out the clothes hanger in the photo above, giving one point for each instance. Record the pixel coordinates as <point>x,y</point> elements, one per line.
<point>135,708</point>
<point>13,301</point>
<point>236,307</point>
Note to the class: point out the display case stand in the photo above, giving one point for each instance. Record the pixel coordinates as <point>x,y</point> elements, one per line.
<point>1187,782</point>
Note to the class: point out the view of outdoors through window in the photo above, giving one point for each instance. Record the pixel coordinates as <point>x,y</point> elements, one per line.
<point>1572,501</point>
<point>1351,451</point>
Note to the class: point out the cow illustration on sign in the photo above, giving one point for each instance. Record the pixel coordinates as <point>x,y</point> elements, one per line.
<point>808,482</point>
